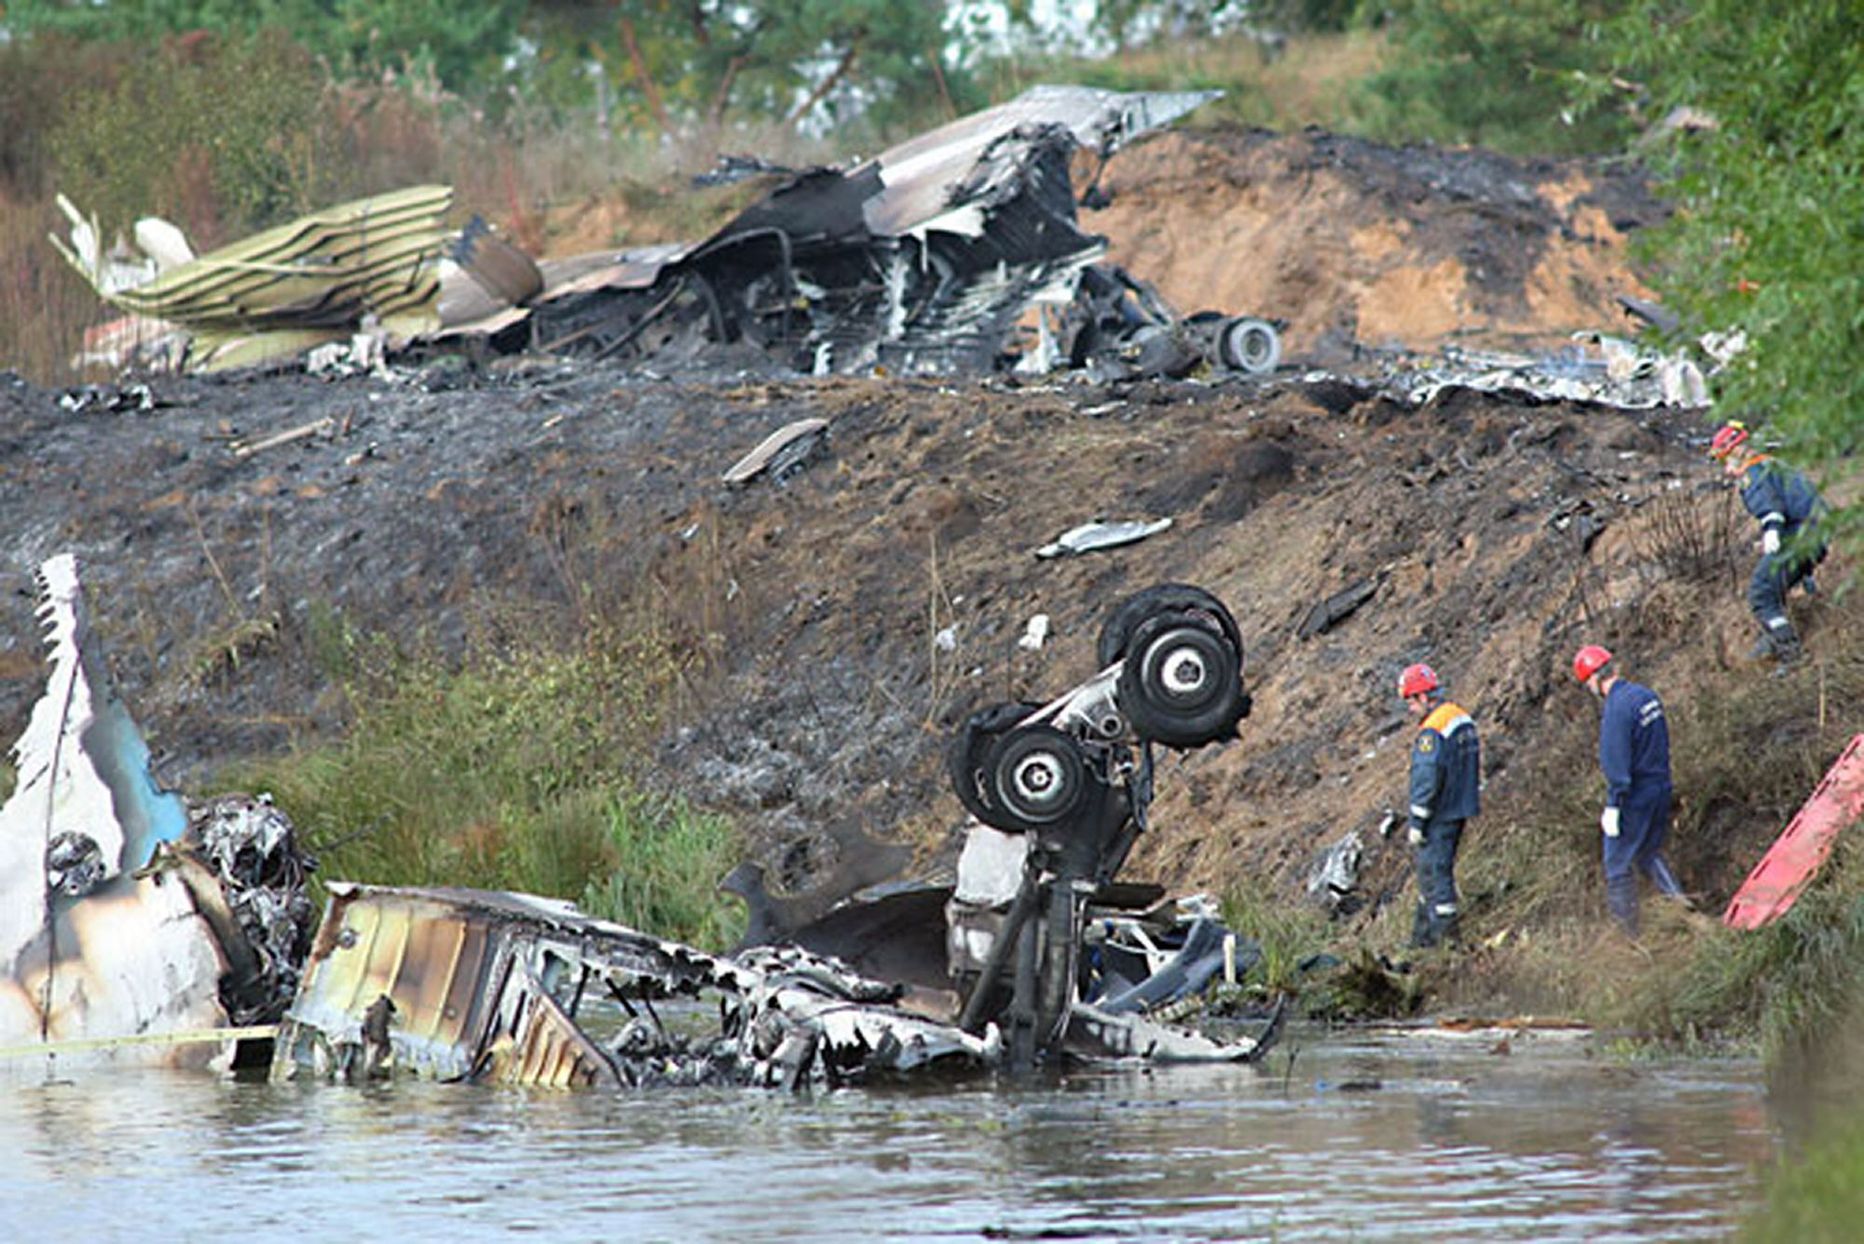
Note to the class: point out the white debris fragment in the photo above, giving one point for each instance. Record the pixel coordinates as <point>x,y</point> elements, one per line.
<point>1035,634</point>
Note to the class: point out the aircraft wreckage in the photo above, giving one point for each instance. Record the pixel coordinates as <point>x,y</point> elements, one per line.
<point>928,258</point>
<point>136,929</point>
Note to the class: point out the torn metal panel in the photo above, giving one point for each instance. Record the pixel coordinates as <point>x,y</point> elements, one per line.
<point>461,984</point>
<point>1094,1033</point>
<point>1102,535</point>
<point>83,770</point>
<point>1323,615</point>
<point>275,294</point>
<point>780,452</point>
<point>918,174</point>
<point>921,260</point>
<point>112,925</point>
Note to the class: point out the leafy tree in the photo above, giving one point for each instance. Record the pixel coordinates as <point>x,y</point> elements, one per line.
<point>686,65</point>
<point>459,43</point>
<point>1769,232</point>
<point>1496,73</point>
<point>221,134</point>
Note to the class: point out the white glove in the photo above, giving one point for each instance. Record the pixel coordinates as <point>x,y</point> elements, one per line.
<point>1608,821</point>
<point>1414,836</point>
<point>1770,541</point>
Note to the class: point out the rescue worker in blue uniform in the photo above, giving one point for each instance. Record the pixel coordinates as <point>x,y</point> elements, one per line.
<point>1789,509</point>
<point>1446,764</point>
<point>1634,755</point>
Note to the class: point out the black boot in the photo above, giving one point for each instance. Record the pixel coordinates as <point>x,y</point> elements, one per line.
<point>1423,935</point>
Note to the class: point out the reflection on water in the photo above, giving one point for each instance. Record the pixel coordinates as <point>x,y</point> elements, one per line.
<point>1373,1137</point>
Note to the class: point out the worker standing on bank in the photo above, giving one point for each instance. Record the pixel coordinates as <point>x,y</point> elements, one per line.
<point>1788,508</point>
<point>1634,755</point>
<point>1446,764</point>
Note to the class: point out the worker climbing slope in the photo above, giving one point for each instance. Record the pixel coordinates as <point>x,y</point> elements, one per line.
<point>1446,762</point>
<point>1634,755</point>
<point>1789,510</point>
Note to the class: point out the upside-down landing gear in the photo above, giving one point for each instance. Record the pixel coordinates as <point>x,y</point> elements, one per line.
<point>1074,777</point>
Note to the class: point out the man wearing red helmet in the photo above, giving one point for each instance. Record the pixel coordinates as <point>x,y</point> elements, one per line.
<point>1446,763</point>
<point>1634,755</point>
<point>1788,508</point>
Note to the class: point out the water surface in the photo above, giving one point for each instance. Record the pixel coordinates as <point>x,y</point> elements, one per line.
<point>1374,1136</point>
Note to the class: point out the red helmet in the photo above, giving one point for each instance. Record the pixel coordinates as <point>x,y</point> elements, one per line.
<point>1589,661</point>
<point>1416,680</point>
<point>1728,438</point>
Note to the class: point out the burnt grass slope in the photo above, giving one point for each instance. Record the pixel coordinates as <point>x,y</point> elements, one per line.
<point>523,496</point>
<point>1493,538</point>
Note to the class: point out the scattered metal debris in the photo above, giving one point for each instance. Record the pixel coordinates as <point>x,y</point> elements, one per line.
<point>780,453</point>
<point>1596,368</point>
<point>1326,614</point>
<point>108,397</point>
<point>1334,882</point>
<point>1102,535</point>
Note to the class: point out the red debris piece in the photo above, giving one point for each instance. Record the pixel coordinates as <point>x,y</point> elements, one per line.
<point>1781,876</point>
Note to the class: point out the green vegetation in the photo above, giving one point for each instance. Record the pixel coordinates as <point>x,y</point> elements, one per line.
<point>1492,74</point>
<point>242,143</point>
<point>1769,233</point>
<point>517,769</point>
<point>1287,935</point>
<point>1816,1199</point>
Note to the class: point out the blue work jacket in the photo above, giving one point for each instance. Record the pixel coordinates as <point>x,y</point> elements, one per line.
<point>1446,766</point>
<point>1780,497</point>
<point>1634,743</point>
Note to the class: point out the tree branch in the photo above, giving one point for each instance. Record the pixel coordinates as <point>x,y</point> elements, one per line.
<point>722,96</point>
<point>827,84</point>
<point>644,80</point>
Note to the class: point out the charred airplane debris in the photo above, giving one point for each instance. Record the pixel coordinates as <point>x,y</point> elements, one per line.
<point>928,258</point>
<point>137,928</point>
<point>133,928</point>
<point>490,987</point>
<point>922,259</point>
<point>1059,792</point>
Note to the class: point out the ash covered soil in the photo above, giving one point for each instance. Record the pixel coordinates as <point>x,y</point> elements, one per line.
<point>1495,536</point>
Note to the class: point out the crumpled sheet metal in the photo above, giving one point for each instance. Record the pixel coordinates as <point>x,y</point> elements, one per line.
<point>101,936</point>
<point>486,986</point>
<point>919,176</point>
<point>1613,372</point>
<point>283,291</point>
<point>920,260</point>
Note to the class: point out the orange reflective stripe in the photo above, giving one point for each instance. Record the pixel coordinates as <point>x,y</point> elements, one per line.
<point>1445,718</point>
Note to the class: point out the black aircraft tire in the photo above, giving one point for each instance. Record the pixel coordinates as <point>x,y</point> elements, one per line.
<point>1181,684</point>
<point>1136,610</point>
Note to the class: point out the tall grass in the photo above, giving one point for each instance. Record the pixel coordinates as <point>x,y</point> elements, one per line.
<point>517,768</point>
<point>1288,935</point>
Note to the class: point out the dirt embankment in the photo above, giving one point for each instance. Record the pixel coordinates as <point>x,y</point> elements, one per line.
<point>1358,244</point>
<point>1494,537</point>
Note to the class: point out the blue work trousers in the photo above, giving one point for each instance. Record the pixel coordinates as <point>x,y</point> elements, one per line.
<point>1436,884</point>
<point>1776,574</point>
<point>1643,826</point>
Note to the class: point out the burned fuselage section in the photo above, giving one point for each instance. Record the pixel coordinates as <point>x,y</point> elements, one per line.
<point>514,989</point>
<point>923,259</point>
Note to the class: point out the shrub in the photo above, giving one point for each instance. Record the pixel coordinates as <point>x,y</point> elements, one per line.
<point>515,769</point>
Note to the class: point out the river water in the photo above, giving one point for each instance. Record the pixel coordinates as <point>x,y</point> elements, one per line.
<point>1369,1135</point>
